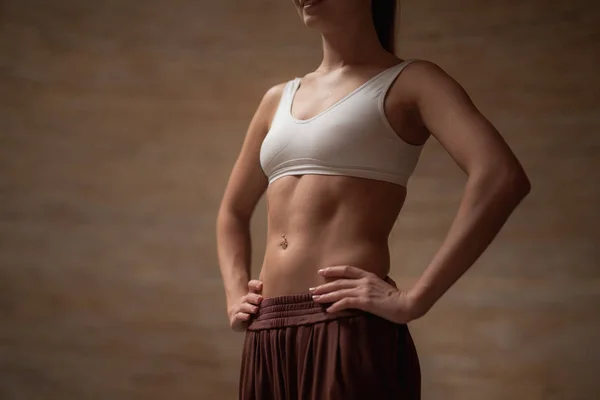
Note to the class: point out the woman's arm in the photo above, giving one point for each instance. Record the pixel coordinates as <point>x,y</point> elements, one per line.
<point>496,184</point>
<point>246,185</point>
<point>496,181</point>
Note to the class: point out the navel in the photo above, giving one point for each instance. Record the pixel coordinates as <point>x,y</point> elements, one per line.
<point>284,242</point>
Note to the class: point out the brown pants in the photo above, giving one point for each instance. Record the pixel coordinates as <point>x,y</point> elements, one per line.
<point>295,350</point>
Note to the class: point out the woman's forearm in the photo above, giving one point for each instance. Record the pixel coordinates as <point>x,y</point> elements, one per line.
<point>234,250</point>
<point>488,201</point>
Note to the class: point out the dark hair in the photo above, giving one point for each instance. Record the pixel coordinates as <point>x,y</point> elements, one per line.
<point>384,19</point>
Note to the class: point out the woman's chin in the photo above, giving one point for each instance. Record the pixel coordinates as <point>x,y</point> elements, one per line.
<point>315,21</point>
<point>311,21</point>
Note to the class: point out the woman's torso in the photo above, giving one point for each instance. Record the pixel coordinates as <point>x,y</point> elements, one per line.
<point>333,220</point>
<point>326,220</point>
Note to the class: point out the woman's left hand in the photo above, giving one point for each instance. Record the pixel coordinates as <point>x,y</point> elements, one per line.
<point>356,288</point>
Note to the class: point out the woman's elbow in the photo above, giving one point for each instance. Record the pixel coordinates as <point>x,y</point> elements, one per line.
<point>512,181</point>
<point>502,180</point>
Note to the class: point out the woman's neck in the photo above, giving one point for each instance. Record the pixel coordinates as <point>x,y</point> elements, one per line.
<point>353,45</point>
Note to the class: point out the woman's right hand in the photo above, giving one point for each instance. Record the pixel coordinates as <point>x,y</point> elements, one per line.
<point>241,312</point>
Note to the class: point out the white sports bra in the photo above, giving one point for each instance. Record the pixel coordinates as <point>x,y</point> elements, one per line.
<point>352,137</point>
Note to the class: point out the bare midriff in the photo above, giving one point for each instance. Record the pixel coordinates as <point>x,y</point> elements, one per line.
<point>316,221</point>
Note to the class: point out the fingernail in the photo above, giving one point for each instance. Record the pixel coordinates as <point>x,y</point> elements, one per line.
<point>316,296</point>
<point>312,289</point>
<point>322,271</point>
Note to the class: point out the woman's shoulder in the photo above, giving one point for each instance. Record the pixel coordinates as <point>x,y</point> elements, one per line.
<point>427,74</point>
<point>422,65</point>
<point>272,95</point>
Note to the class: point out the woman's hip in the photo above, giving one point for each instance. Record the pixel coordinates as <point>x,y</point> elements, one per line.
<point>293,344</point>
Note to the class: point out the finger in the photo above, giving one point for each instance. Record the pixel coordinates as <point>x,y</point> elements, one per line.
<point>248,308</point>
<point>252,298</point>
<point>241,316</point>
<point>343,271</point>
<point>255,286</point>
<point>389,280</point>
<point>332,286</point>
<point>346,303</point>
<point>332,297</point>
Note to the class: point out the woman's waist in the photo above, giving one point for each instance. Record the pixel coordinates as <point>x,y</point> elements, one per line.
<point>300,309</point>
<point>294,310</point>
<point>324,239</point>
<point>295,269</point>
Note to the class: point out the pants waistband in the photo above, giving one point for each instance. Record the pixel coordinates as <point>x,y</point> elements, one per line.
<point>294,310</point>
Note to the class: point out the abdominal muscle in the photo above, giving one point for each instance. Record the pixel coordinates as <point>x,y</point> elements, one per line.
<point>327,220</point>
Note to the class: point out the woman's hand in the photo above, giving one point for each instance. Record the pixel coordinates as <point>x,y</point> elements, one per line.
<point>359,289</point>
<point>240,313</point>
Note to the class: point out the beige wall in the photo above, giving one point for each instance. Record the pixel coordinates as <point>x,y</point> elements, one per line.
<point>119,124</point>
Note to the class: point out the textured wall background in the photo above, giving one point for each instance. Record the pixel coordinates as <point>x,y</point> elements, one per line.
<point>120,122</point>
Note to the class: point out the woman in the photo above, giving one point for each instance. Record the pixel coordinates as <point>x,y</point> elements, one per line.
<point>334,150</point>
